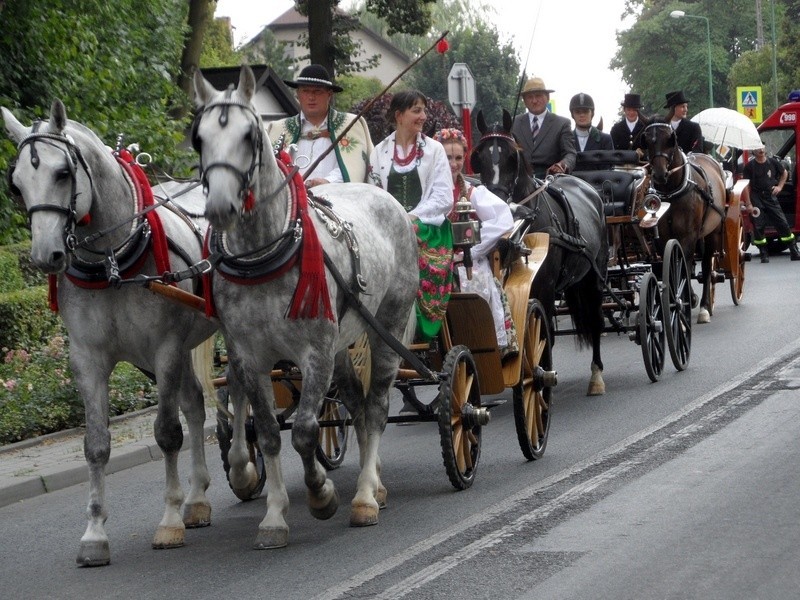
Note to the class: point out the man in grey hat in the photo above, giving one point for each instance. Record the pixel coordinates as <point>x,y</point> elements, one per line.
<point>688,133</point>
<point>546,139</point>
<point>627,132</point>
<point>317,126</point>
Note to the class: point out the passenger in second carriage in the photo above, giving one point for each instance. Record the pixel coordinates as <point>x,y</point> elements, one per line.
<point>626,134</point>
<point>688,133</point>
<point>587,136</point>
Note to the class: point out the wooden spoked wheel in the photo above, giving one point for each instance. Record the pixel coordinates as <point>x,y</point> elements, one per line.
<point>676,298</point>
<point>460,417</point>
<point>224,437</point>
<point>737,263</point>
<point>532,395</point>
<point>650,326</point>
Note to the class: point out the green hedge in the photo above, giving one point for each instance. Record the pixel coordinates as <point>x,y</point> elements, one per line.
<point>11,278</point>
<point>27,319</point>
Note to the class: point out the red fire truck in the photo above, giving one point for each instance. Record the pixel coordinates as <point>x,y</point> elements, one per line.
<point>780,133</point>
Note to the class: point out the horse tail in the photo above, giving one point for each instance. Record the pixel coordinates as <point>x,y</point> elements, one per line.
<point>202,360</point>
<point>585,301</point>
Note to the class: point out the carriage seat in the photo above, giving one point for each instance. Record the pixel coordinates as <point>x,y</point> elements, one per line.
<point>616,188</point>
<point>604,160</point>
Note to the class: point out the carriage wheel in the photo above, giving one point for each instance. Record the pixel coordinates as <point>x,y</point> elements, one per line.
<point>332,440</point>
<point>650,322</point>
<point>737,270</point>
<point>224,437</point>
<point>676,297</point>
<point>533,392</point>
<point>460,417</point>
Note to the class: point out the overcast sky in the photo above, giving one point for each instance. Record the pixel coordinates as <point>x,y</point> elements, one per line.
<point>571,43</point>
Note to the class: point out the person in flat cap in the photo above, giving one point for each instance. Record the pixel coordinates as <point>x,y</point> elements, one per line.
<point>627,132</point>
<point>317,126</point>
<point>587,136</point>
<point>545,138</point>
<point>688,133</point>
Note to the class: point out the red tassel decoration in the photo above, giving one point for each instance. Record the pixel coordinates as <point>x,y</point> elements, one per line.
<point>249,201</point>
<point>442,46</point>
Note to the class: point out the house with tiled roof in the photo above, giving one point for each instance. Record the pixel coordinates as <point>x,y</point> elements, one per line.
<point>291,27</point>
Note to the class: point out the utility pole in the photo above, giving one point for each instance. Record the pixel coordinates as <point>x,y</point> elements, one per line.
<point>759,27</point>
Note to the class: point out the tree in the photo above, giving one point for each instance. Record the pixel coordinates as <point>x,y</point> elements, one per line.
<point>113,64</point>
<point>659,54</point>
<point>266,49</point>
<point>218,48</point>
<point>788,54</point>
<point>201,14</point>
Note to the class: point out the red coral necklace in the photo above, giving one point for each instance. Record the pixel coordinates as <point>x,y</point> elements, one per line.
<point>407,160</point>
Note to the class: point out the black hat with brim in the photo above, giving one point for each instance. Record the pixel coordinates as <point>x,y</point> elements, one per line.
<point>675,98</point>
<point>315,75</point>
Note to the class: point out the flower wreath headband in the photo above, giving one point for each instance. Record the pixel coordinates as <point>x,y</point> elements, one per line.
<point>450,135</point>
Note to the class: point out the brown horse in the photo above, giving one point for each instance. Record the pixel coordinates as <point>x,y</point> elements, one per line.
<point>694,187</point>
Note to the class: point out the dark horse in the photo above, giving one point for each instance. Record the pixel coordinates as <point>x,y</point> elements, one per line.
<point>694,187</point>
<point>571,211</point>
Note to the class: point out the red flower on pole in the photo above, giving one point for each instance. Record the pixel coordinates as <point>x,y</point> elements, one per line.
<point>442,46</point>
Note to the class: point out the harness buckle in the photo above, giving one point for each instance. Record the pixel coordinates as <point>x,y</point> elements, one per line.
<point>298,231</point>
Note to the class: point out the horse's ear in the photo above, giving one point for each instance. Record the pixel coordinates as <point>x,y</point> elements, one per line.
<point>474,162</point>
<point>16,130</point>
<point>481,122</point>
<point>247,83</point>
<point>508,122</point>
<point>202,89</point>
<point>58,116</point>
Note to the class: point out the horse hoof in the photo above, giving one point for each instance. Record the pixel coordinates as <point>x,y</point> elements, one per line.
<point>246,491</point>
<point>272,537</point>
<point>197,515</point>
<point>703,316</point>
<point>324,511</point>
<point>168,537</point>
<point>596,389</point>
<point>93,554</point>
<point>380,497</point>
<point>364,515</point>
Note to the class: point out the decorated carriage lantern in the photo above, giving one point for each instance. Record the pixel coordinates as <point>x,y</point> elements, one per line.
<point>466,232</point>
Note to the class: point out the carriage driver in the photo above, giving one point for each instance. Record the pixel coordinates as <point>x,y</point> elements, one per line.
<point>546,139</point>
<point>587,136</point>
<point>315,128</point>
<point>627,132</point>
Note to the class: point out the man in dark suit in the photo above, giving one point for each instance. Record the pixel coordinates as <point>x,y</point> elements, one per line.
<point>546,139</point>
<point>586,135</point>
<point>627,132</point>
<point>688,133</point>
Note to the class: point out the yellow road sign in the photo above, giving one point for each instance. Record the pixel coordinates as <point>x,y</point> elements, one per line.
<point>749,102</point>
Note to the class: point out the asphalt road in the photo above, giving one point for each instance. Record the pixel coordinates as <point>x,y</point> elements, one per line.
<point>684,488</point>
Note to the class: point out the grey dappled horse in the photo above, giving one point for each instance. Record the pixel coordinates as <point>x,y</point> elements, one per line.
<point>253,211</point>
<point>73,188</point>
<point>694,187</point>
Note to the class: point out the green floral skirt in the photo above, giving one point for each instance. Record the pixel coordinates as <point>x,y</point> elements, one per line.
<point>436,278</point>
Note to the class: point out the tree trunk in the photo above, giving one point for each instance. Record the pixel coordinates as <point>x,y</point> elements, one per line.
<point>320,33</point>
<point>201,12</point>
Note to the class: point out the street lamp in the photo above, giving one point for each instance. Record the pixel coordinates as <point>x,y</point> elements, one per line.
<point>679,14</point>
<point>774,56</point>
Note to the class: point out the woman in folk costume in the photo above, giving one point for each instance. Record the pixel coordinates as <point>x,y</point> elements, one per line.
<point>317,126</point>
<point>413,168</point>
<point>496,220</point>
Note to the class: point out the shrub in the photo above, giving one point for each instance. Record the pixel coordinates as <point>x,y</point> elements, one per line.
<point>38,396</point>
<point>27,320</point>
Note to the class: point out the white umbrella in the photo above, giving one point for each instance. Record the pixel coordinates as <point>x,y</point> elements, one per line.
<point>726,127</point>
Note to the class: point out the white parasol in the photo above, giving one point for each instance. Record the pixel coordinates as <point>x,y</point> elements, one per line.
<point>726,127</point>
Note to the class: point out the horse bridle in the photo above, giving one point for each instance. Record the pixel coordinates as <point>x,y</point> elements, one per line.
<point>495,154</point>
<point>257,145</point>
<point>74,158</point>
<point>669,157</point>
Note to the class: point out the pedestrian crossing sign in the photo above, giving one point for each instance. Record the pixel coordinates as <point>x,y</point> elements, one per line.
<point>749,102</point>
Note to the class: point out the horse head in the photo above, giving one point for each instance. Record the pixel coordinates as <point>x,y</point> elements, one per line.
<point>53,182</point>
<point>663,152</point>
<point>498,160</point>
<point>229,137</point>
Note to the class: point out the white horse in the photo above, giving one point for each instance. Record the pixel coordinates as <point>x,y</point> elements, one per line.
<point>260,227</point>
<point>81,203</point>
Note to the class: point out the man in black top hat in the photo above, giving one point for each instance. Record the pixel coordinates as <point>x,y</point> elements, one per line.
<point>626,134</point>
<point>317,126</point>
<point>688,133</point>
